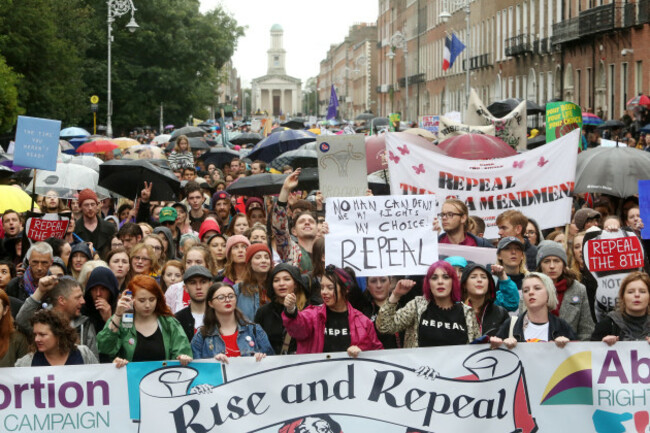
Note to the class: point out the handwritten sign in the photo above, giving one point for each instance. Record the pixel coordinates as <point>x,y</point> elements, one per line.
<point>342,168</point>
<point>382,235</point>
<point>41,228</point>
<point>450,128</point>
<point>644,206</point>
<point>37,142</point>
<point>511,128</point>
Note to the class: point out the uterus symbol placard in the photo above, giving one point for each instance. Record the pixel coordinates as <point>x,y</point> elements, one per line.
<point>342,159</point>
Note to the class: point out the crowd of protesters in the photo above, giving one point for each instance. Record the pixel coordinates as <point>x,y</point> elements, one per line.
<point>217,276</point>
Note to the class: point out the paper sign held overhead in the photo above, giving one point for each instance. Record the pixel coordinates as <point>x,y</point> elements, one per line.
<point>342,168</point>
<point>37,142</point>
<point>382,235</point>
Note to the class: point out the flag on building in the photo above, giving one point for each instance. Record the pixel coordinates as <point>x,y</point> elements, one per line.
<point>453,48</point>
<point>334,103</point>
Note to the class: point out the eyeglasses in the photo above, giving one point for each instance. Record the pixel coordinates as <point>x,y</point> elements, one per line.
<point>448,215</point>
<point>222,298</point>
<point>141,259</point>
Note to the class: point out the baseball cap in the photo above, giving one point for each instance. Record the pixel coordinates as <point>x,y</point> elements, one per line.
<point>179,204</point>
<point>197,271</point>
<point>167,214</point>
<point>504,242</point>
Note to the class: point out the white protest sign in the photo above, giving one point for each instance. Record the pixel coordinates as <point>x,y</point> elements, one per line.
<point>539,183</point>
<point>511,128</point>
<point>450,128</point>
<point>382,235</point>
<point>342,168</point>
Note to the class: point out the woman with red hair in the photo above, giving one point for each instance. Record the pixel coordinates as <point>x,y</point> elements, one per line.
<point>438,318</point>
<point>13,344</point>
<point>154,335</point>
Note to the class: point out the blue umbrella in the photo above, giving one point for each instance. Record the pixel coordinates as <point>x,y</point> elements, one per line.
<point>646,128</point>
<point>279,142</point>
<point>74,132</point>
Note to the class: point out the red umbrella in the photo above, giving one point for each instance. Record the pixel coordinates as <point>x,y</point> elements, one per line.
<point>639,101</point>
<point>476,146</point>
<point>376,149</point>
<point>97,146</point>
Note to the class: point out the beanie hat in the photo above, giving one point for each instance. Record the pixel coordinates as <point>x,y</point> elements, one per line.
<point>491,294</point>
<point>254,249</point>
<point>83,248</point>
<point>237,239</point>
<point>220,195</point>
<point>582,215</point>
<point>87,194</point>
<point>254,200</point>
<point>551,248</point>
<point>295,275</point>
<point>208,225</point>
<point>458,261</point>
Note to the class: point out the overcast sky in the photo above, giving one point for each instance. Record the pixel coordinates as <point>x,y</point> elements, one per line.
<point>310,27</point>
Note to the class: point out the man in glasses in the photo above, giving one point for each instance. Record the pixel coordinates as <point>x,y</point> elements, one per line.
<point>197,281</point>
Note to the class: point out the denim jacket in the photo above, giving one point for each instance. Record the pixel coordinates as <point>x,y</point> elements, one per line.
<point>247,304</point>
<point>213,344</point>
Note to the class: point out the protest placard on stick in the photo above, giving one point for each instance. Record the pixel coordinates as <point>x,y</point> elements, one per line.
<point>342,169</point>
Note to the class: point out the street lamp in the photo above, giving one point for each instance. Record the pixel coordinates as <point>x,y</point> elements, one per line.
<point>444,17</point>
<point>116,8</point>
<point>399,41</point>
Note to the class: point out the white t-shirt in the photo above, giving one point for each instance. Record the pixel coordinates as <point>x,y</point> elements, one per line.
<point>535,333</point>
<point>198,320</point>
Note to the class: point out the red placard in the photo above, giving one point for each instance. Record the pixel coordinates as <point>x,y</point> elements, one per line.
<point>614,254</point>
<point>39,229</point>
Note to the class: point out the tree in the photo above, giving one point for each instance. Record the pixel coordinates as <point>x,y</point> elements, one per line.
<point>9,108</point>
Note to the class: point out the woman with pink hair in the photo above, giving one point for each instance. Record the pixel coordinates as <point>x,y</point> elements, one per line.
<point>438,318</point>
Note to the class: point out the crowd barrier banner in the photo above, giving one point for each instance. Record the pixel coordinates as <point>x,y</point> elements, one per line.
<point>537,387</point>
<point>450,128</point>
<point>382,235</point>
<point>342,168</point>
<point>539,182</point>
<point>510,128</point>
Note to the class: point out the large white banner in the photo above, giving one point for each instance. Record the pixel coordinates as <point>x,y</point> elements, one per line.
<point>538,183</point>
<point>585,387</point>
<point>382,235</point>
<point>510,128</point>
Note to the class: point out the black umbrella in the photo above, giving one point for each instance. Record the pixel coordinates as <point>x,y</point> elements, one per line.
<point>23,176</point>
<point>612,124</point>
<point>126,177</point>
<point>189,131</point>
<point>538,140</point>
<point>502,108</point>
<point>295,123</point>
<point>259,185</point>
<point>365,116</point>
<point>611,170</point>
<point>279,142</point>
<point>247,138</point>
<point>218,156</point>
<point>379,122</point>
<point>197,143</point>
<point>296,158</point>
<point>5,172</point>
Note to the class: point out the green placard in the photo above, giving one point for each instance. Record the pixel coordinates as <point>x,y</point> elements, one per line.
<point>562,118</point>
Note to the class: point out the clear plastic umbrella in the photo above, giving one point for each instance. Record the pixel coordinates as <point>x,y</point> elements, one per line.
<point>66,181</point>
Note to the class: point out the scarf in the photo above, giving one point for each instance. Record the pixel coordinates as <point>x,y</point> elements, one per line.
<point>561,287</point>
<point>28,282</point>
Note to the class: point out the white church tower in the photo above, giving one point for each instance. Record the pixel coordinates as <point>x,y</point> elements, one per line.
<point>276,93</point>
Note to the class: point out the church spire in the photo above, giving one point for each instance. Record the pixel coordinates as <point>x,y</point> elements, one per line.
<point>276,53</point>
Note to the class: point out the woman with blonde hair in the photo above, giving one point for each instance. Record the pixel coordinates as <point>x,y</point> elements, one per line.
<point>457,225</point>
<point>181,156</point>
<point>143,260</point>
